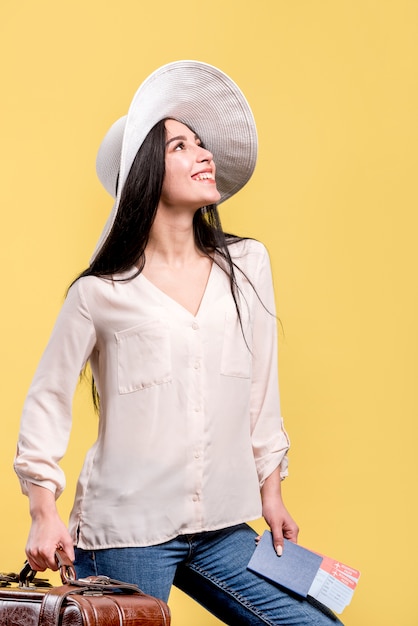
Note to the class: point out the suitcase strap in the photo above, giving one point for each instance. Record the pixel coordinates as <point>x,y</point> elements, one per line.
<point>51,606</point>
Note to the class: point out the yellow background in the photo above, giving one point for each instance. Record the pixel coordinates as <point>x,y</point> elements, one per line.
<point>333,85</point>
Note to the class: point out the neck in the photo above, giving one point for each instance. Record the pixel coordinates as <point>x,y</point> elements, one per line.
<point>171,242</point>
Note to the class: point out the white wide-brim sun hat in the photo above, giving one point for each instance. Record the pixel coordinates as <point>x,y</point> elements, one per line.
<point>198,95</point>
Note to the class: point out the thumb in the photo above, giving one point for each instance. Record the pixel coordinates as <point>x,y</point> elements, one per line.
<point>278,541</point>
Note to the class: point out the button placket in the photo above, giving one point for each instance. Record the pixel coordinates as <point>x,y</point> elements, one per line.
<point>196,415</point>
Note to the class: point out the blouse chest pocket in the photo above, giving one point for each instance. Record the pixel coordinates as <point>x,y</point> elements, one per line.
<point>237,344</point>
<point>144,356</point>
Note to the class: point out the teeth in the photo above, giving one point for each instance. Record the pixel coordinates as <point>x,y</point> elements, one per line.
<point>203,176</point>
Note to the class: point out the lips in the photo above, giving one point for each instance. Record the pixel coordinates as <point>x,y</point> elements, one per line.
<point>203,176</point>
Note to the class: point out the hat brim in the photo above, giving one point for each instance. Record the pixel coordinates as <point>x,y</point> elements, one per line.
<point>200,96</point>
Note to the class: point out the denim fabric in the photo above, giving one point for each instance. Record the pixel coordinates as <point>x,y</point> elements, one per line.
<point>210,567</point>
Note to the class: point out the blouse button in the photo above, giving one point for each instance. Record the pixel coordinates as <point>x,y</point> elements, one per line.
<point>195,325</point>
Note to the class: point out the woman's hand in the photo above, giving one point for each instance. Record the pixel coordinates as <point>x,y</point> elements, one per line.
<point>48,533</point>
<point>281,524</point>
<point>275,513</point>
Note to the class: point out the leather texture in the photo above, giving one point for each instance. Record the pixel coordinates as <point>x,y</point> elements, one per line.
<point>75,605</point>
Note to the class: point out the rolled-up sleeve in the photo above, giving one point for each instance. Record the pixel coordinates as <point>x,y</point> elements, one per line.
<point>47,412</point>
<point>269,438</point>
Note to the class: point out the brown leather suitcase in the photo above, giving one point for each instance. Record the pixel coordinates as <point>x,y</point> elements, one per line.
<point>93,601</point>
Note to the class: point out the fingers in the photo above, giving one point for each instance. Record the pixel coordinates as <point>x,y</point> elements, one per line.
<point>278,540</point>
<point>292,534</point>
<point>68,548</point>
<point>281,531</point>
<point>278,546</point>
<point>42,559</point>
<point>279,549</point>
<point>282,525</point>
<point>288,530</point>
<point>47,534</point>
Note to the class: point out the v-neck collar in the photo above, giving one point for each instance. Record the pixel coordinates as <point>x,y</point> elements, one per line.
<point>164,296</point>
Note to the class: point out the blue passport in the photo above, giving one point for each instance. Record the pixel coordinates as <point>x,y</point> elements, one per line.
<point>295,569</point>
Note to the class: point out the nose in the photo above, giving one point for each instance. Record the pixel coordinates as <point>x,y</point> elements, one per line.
<point>204,154</point>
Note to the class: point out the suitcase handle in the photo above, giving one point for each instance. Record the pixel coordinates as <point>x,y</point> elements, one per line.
<point>26,578</point>
<point>65,565</point>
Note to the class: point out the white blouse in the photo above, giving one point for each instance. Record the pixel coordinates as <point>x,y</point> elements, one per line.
<point>190,423</point>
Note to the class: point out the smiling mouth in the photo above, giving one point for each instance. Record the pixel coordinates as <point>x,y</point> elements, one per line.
<point>204,176</point>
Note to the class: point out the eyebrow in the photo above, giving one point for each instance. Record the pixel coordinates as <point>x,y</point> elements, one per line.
<point>182,138</point>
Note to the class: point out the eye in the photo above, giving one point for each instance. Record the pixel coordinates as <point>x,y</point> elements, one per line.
<point>179,146</point>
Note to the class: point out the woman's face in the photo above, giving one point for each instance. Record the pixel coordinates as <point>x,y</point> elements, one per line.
<point>189,180</point>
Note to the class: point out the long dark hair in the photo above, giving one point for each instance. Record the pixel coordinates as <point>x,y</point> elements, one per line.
<point>125,245</point>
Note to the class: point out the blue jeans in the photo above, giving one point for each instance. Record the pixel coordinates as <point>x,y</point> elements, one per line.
<point>211,567</point>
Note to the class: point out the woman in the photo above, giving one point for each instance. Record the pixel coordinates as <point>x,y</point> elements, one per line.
<point>177,322</point>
